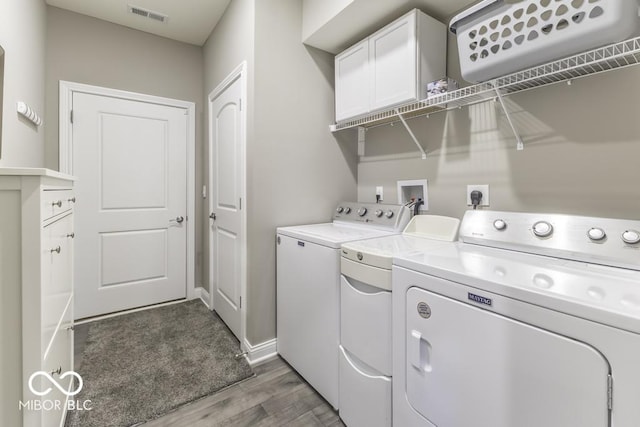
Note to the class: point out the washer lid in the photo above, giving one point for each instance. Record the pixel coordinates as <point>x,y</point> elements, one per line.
<point>607,295</point>
<point>380,252</point>
<point>331,234</point>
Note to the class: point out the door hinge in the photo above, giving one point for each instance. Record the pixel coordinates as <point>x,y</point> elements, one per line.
<point>240,203</point>
<point>609,392</point>
<point>240,302</point>
<point>71,116</point>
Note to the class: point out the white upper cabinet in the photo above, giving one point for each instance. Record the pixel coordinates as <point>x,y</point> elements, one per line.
<point>352,81</point>
<point>391,67</point>
<point>392,55</point>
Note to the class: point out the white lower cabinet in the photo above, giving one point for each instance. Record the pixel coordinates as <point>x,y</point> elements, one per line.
<point>36,275</point>
<point>365,395</point>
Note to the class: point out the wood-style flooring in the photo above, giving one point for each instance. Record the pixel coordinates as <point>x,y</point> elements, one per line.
<point>276,396</point>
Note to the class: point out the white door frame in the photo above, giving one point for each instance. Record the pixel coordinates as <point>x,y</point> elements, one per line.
<point>67,90</point>
<point>240,72</point>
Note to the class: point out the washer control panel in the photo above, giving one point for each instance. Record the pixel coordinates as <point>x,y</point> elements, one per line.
<point>386,216</point>
<point>606,241</point>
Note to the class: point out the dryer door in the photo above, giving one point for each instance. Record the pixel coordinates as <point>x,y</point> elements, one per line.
<point>467,366</point>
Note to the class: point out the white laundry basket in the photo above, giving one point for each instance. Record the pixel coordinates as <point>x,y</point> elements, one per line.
<point>497,38</point>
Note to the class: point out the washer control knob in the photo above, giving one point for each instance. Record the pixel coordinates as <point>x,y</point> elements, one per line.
<point>362,211</point>
<point>631,236</point>
<point>499,224</point>
<point>379,213</point>
<point>340,209</point>
<point>596,234</point>
<point>347,210</point>
<point>389,214</point>
<point>542,229</point>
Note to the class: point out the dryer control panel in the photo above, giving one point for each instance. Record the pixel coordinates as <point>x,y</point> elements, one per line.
<point>606,241</point>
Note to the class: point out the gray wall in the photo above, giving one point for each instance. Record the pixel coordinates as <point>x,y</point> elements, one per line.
<point>22,36</point>
<point>86,50</point>
<point>296,170</point>
<point>582,144</point>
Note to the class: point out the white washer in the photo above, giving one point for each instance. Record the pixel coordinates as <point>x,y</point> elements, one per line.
<point>532,320</point>
<point>308,280</point>
<point>365,316</point>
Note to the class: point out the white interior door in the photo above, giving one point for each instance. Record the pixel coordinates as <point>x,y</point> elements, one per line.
<point>130,159</point>
<point>226,148</point>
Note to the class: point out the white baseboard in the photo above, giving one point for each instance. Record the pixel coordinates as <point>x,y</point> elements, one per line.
<point>203,294</point>
<point>260,352</point>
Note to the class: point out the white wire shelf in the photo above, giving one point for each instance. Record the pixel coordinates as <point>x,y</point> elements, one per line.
<point>610,57</point>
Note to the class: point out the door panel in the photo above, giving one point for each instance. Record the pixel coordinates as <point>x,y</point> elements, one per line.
<point>129,144</point>
<point>130,160</point>
<point>226,236</point>
<point>468,366</point>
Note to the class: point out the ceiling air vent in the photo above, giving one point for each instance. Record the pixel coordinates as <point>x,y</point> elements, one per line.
<point>147,13</point>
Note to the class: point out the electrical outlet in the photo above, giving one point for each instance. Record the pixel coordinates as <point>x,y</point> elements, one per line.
<point>484,189</point>
<point>380,193</point>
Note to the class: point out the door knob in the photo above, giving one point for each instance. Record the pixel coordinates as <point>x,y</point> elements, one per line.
<point>178,219</point>
<point>212,216</point>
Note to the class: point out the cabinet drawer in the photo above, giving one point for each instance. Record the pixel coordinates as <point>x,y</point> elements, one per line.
<point>60,315</point>
<point>365,396</point>
<point>58,359</point>
<point>365,323</point>
<point>55,202</point>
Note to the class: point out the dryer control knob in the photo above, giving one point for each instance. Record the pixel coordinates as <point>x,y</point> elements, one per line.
<point>347,210</point>
<point>542,229</point>
<point>499,224</point>
<point>596,234</point>
<point>389,214</point>
<point>362,211</point>
<point>631,236</point>
<point>379,213</point>
<point>340,209</point>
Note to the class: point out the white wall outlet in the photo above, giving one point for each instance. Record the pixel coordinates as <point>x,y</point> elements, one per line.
<point>484,189</point>
<point>380,193</point>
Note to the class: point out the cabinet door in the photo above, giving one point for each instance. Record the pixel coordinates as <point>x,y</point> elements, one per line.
<point>352,81</point>
<point>392,62</point>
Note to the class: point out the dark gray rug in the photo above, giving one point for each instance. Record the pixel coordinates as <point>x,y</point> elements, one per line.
<point>139,366</point>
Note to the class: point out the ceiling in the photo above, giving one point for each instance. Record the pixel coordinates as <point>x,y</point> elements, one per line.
<point>189,21</point>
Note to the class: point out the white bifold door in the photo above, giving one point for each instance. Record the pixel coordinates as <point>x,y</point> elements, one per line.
<point>131,234</point>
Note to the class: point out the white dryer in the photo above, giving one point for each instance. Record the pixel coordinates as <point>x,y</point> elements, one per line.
<point>308,283</point>
<point>531,320</point>
<point>365,316</point>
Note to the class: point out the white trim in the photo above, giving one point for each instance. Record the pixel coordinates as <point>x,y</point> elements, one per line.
<point>240,72</point>
<point>67,90</point>
<point>260,352</point>
<point>203,295</point>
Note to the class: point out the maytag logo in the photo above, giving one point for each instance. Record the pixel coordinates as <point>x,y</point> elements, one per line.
<point>479,299</point>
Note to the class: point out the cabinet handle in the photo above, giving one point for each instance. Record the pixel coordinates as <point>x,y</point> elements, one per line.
<point>56,250</point>
<point>57,371</point>
<point>72,235</point>
<point>72,200</point>
<point>58,203</point>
